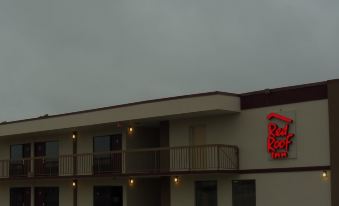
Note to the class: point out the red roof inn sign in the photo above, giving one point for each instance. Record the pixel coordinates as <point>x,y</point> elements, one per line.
<point>279,139</point>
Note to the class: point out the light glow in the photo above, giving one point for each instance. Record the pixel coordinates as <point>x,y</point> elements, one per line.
<point>131,181</point>
<point>324,173</point>
<point>176,180</point>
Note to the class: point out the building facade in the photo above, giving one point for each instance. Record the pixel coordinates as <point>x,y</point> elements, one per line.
<point>272,147</point>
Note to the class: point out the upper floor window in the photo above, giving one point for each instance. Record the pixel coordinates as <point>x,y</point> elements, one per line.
<point>20,151</point>
<point>105,159</point>
<point>18,166</point>
<point>47,163</point>
<point>47,149</point>
<point>102,144</point>
<point>107,143</point>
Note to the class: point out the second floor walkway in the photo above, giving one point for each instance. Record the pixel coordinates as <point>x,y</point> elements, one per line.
<point>136,162</point>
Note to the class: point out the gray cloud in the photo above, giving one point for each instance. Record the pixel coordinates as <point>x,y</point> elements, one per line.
<point>67,55</point>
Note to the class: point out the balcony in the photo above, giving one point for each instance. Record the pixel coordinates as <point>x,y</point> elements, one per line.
<point>150,161</point>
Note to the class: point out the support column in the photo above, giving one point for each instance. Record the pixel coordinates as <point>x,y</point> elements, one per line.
<point>75,165</point>
<point>333,108</point>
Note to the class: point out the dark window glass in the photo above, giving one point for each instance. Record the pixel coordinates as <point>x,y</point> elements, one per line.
<point>20,196</point>
<point>52,149</point>
<point>102,144</point>
<point>18,166</point>
<point>107,196</point>
<point>46,196</point>
<point>48,166</point>
<point>243,193</point>
<point>104,160</point>
<point>206,193</point>
<point>17,152</point>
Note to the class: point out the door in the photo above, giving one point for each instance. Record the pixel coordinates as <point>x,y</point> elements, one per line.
<point>46,196</point>
<point>107,157</point>
<point>108,196</point>
<point>20,165</point>
<point>20,196</point>
<point>206,193</point>
<point>243,193</point>
<point>198,151</point>
<point>198,135</point>
<point>47,161</point>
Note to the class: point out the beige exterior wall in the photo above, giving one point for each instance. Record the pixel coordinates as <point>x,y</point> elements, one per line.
<point>278,189</point>
<point>248,131</point>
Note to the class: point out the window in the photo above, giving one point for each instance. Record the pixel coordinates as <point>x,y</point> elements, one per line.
<point>46,149</point>
<point>49,165</point>
<point>105,160</point>
<point>243,193</point>
<point>20,196</point>
<point>16,152</point>
<point>18,166</point>
<point>102,144</point>
<point>20,151</point>
<point>46,196</point>
<point>206,193</point>
<point>52,149</point>
<point>107,196</point>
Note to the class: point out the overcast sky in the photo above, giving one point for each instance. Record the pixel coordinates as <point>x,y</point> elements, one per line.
<point>60,56</point>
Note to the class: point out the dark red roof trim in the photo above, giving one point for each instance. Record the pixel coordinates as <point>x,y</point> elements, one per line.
<point>285,95</point>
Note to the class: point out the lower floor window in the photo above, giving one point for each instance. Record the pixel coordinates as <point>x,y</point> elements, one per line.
<point>108,196</point>
<point>46,196</point>
<point>243,192</point>
<point>43,196</point>
<point>20,196</point>
<point>206,193</point>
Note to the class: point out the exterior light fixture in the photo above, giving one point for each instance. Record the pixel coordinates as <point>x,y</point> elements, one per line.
<point>131,181</point>
<point>74,135</point>
<point>325,174</point>
<point>176,180</point>
<point>74,183</point>
<point>130,130</point>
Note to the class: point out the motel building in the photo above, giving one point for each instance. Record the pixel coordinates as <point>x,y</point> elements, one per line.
<point>275,147</point>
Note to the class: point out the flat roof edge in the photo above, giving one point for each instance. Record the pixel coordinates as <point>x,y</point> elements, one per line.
<point>123,105</point>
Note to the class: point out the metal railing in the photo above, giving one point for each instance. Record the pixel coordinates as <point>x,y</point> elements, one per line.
<point>155,161</point>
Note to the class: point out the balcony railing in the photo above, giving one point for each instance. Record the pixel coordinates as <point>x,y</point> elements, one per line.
<point>151,161</point>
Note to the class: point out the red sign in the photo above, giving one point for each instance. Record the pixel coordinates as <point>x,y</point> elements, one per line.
<point>279,139</point>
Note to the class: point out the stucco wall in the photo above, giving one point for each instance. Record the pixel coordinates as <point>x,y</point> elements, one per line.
<point>278,189</point>
<point>145,192</point>
<point>248,131</point>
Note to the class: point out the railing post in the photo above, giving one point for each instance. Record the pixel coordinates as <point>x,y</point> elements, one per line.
<point>189,158</point>
<point>74,152</point>
<point>218,156</point>
<point>237,155</point>
<point>123,161</point>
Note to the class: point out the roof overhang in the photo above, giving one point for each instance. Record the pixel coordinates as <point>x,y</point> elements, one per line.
<point>207,103</point>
